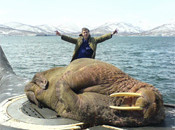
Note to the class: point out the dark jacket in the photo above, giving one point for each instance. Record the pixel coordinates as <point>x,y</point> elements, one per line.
<point>93,41</point>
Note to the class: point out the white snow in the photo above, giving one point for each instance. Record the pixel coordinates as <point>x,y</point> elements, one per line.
<point>15,28</point>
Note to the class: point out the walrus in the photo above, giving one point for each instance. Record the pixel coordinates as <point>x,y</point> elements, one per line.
<point>96,93</point>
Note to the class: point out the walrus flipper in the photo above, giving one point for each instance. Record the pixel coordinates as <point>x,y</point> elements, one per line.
<point>66,95</point>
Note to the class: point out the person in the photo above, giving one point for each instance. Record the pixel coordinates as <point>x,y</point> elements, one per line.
<point>85,45</point>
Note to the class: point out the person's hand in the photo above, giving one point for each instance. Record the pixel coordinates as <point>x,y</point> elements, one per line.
<point>115,31</point>
<point>58,33</point>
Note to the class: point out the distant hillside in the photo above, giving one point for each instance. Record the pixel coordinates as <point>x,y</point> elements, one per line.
<point>163,30</point>
<point>124,29</point>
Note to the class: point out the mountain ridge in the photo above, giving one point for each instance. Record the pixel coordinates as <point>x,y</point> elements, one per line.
<point>124,29</point>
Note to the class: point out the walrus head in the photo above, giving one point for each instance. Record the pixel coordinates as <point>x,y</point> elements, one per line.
<point>146,102</point>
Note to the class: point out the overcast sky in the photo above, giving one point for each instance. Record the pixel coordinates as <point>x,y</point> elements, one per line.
<point>87,12</point>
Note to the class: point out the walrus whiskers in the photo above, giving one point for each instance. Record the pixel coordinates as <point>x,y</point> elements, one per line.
<point>126,94</point>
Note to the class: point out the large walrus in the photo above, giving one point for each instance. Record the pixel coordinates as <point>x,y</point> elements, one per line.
<point>96,93</point>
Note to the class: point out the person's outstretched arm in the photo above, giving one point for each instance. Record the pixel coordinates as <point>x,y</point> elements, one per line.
<point>67,38</point>
<point>105,37</point>
<point>115,32</point>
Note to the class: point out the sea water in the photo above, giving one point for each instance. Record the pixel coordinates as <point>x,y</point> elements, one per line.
<point>148,59</point>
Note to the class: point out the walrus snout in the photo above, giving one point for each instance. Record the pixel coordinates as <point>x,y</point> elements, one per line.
<point>151,103</point>
<point>31,95</point>
<point>145,100</point>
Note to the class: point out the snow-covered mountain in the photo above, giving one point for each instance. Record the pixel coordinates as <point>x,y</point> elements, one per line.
<point>124,29</point>
<point>49,29</point>
<point>25,27</point>
<point>3,26</point>
<point>69,28</point>
<point>163,30</point>
<point>5,30</point>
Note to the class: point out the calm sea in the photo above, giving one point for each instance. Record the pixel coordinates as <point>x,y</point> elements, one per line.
<point>149,59</point>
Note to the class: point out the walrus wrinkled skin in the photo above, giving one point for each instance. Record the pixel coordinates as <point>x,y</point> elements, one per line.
<point>82,91</point>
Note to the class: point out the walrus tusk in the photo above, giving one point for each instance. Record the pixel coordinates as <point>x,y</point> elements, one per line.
<point>78,124</point>
<point>73,126</point>
<point>112,127</point>
<point>126,108</point>
<point>125,94</point>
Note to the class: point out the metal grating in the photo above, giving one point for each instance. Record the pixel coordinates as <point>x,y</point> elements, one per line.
<point>32,110</point>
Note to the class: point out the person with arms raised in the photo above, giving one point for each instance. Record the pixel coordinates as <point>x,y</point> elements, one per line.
<point>85,45</point>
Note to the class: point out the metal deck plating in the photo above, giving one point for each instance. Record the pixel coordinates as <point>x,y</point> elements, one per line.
<point>14,113</point>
